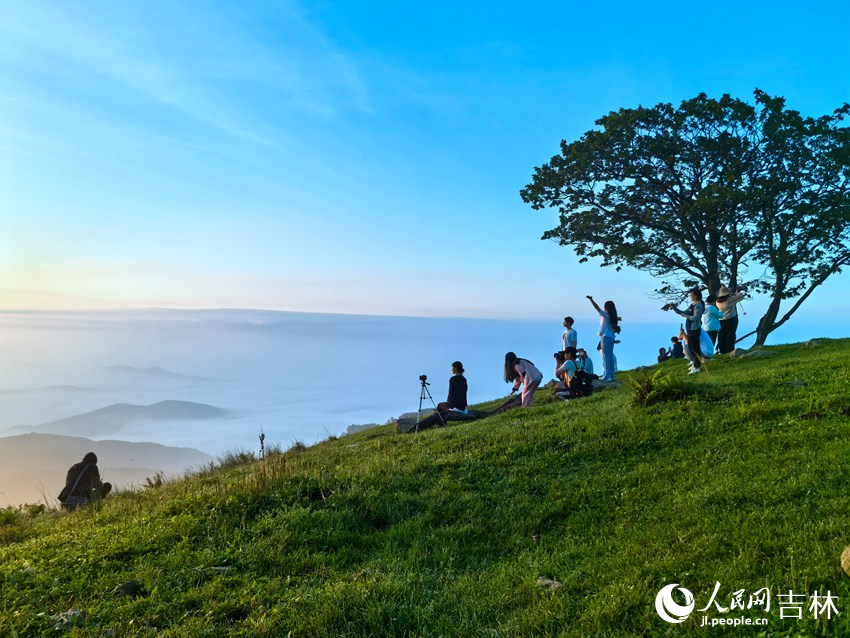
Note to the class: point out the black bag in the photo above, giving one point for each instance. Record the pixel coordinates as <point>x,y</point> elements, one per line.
<point>581,384</point>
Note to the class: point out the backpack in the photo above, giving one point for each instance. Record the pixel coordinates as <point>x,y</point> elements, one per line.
<point>581,384</point>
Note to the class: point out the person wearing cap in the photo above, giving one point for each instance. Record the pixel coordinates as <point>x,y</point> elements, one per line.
<point>727,303</point>
<point>583,361</point>
<point>83,484</point>
<point>457,391</point>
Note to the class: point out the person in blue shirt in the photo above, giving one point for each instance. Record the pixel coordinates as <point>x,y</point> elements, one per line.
<point>711,318</point>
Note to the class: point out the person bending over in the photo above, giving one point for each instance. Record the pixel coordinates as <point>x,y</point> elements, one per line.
<point>457,391</point>
<point>83,484</point>
<point>523,373</point>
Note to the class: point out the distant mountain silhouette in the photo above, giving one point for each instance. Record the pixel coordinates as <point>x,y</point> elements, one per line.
<point>161,373</point>
<point>33,466</point>
<point>113,418</point>
<point>52,388</point>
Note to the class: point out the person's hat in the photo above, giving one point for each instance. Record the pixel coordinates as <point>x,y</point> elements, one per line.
<point>723,292</point>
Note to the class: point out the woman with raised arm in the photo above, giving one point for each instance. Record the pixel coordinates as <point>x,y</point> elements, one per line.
<point>609,327</point>
<point>523,373</point>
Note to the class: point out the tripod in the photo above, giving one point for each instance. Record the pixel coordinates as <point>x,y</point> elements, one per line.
<point>426,393</point>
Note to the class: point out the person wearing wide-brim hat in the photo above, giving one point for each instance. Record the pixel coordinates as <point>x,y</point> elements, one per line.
<point>727,303</point>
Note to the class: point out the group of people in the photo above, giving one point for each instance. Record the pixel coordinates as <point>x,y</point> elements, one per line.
<point>570,360</point>
<point>716,318</point>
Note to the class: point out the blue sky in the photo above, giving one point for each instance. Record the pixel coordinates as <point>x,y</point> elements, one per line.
<point>347,156</point>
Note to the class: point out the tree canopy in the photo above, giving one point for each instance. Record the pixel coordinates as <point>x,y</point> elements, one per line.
<point>716,191</point>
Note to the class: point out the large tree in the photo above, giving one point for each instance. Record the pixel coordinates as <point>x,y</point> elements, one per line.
<point>713,192</point>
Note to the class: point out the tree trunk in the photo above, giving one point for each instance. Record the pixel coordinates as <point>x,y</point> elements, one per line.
<point>767,324</point>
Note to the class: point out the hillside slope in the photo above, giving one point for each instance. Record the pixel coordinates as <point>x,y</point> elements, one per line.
<point>565,519</point>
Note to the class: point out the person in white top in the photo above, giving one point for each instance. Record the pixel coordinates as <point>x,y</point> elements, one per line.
<point>570,337</point>
<point>609,327</point>
<point>523,373</point>
<point>727,303</point>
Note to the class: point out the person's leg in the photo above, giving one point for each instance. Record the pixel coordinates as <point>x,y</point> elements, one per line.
<point>723,337</point>
<point>608,358</point>
<point>696,350</point>
<point>712,334</point>
<point>528,393</point>
<point>443,406</point>
<point>733,332</point>
<point>602,354</point>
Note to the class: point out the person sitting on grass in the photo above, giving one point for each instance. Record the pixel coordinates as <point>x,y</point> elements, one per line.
<point>584,362</point>
<point>559,361</point>
<point>523,373</point>
<point>456,400</point>
<point>83,484</point>
<point>676,351</point>
<point>663,355</point>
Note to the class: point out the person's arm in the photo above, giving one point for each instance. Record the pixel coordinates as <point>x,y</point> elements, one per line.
<point>595,305</point>
<point>520,370</point>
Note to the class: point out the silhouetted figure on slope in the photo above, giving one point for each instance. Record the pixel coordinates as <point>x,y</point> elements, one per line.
<point>83,484</point>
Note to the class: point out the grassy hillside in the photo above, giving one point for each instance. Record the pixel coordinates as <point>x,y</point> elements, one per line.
<point>737,476</point>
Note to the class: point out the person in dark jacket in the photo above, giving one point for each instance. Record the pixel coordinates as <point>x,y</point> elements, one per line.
<point>457,391</point>
<point>676,351</point>
<point>83,484</point>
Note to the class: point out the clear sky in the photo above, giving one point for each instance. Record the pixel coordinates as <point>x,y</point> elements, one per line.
<point>348,156</point>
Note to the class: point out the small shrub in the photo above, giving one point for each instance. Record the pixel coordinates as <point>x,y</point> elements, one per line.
<point>155,482</point>
<point>658,387</point>
<point>235,459</point>
<point>298,446</point>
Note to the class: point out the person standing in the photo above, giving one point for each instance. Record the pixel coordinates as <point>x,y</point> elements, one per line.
<point>711,319</point>
<point>457,391</point>
<point>609,327</point>
<point>570,337</point>
<point>727,303</point>
<point>693,328</point>
<point>523,373</point>
<point>83,484</point>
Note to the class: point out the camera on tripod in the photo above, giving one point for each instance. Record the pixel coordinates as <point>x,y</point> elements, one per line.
<point>423,379</point>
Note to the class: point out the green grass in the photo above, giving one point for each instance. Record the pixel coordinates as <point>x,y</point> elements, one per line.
<point>739,476</point>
